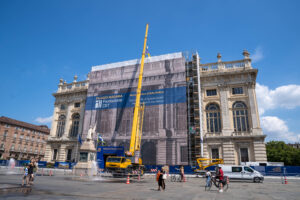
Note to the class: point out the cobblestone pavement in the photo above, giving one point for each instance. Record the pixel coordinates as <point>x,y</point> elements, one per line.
<point>68,187</point>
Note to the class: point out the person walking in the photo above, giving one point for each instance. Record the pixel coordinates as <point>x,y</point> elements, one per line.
<point>30,172</point>
<point>182,173</point>
<point>164,178</point>
<point>208,178</point>
<point>25,176</point>
<point>159,179</point>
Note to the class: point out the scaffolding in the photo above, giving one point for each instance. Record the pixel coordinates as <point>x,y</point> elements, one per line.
<point>194,114</point>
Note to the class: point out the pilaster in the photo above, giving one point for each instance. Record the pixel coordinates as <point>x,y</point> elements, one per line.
<point>161,149</point>
<point>260,151</point>
<point>228,152</point>
<point>253,106</point>
<point>226,128</point>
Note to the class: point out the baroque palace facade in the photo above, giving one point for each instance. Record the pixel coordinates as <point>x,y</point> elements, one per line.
<point>175,130</point>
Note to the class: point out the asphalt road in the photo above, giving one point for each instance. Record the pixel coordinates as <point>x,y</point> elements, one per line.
<point>70,187</point>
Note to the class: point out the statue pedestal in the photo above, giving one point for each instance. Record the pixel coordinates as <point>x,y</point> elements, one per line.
<point>87,156</point>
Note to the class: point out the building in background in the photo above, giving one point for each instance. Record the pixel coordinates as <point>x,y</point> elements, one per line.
<point>21,140</point>
<point>69,106</point>
<point>171,129</point>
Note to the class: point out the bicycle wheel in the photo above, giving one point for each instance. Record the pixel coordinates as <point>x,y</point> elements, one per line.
<point>225,187</point>
<point>173,178</point>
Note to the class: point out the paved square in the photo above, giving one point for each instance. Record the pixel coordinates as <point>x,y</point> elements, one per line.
<point>70,187</point>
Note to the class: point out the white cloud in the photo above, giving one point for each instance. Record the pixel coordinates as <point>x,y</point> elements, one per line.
<point>276,129</point>
<point>257,55</point>
<point>287,96</point>
<point>44,120</point>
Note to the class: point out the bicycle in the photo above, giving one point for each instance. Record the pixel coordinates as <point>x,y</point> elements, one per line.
<point>175,178</point>
<point>216,182</point>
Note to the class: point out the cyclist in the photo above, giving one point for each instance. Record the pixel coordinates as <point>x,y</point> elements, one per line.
<point>220,176</point>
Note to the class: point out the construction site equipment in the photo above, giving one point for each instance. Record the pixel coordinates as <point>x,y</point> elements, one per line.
<point>203,163</point>
<point>132,163</point>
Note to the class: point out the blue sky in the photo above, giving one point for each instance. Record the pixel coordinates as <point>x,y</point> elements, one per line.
<point>43,41</point>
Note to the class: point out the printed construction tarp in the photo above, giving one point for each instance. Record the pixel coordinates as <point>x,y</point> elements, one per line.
<point>110,105</point>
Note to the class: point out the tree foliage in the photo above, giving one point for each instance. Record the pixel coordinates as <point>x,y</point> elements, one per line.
<point>278,151</point>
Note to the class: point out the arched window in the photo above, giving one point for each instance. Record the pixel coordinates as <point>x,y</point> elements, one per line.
<point>213,119</point>
<point>240,117</point>
<point>60,126</point>
<point>75,125</point>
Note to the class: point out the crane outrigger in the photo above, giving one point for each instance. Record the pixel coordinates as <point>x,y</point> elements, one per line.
<point>132,162</point>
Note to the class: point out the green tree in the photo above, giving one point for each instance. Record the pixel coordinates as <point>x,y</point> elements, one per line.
<point>278,151</point>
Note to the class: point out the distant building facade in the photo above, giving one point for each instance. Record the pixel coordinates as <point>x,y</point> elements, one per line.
<point>69,106</point>
<point>171,130</point>
<point>21,140</point>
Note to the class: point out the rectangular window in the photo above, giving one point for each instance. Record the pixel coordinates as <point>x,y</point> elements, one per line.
<point>83,157</point>
<point>62,107</point>
<point>77,105</point>
<point>244,155</point>
<point>215,153</point>
<point>184,153</point>
<point>236,169</point>
<point>237,90</point>
<point>54,154</point>
<point>69,155</point>
<point>211,92</point>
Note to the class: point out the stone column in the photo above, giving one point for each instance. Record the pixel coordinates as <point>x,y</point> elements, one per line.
<point>68,120</point>
<point>260,151</point>
<point>48,153</point>
<point>62,153</point>
<point>225,117</point>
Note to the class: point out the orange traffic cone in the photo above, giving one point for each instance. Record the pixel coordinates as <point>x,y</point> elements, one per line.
<point>50,173</point>
<point>184,180</point>
<point>128,182</point>
<point>285,180</point>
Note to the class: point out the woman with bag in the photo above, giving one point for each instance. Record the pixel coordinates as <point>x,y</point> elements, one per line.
<point>164,178</point>
<point>159,179</point>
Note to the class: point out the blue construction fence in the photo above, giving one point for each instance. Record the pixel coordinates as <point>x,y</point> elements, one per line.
<point>265,170</point>
<point>174,169</point>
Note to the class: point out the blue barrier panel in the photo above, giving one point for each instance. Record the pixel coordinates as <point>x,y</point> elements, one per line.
<point>22,162</point>
<point>3,162</point>
<point>61,165</point>
<point>261,169</point>
<point>42,164</point>
<point>72,164</point>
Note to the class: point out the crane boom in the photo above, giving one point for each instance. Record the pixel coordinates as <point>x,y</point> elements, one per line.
<point>135,131</point>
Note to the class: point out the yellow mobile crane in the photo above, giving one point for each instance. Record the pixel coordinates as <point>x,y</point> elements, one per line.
<point>132,163</point>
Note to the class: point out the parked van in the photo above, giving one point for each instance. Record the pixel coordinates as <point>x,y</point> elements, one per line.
<point>242,173</point>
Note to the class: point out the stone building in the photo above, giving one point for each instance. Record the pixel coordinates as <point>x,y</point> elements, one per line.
<point>69,106</point>
<point>229,116</point>
<point>110,105</point>
<point>21,140</point>
<point>172,131</point>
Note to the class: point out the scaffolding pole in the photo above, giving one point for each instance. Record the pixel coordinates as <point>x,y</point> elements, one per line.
<point>199,102</point>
